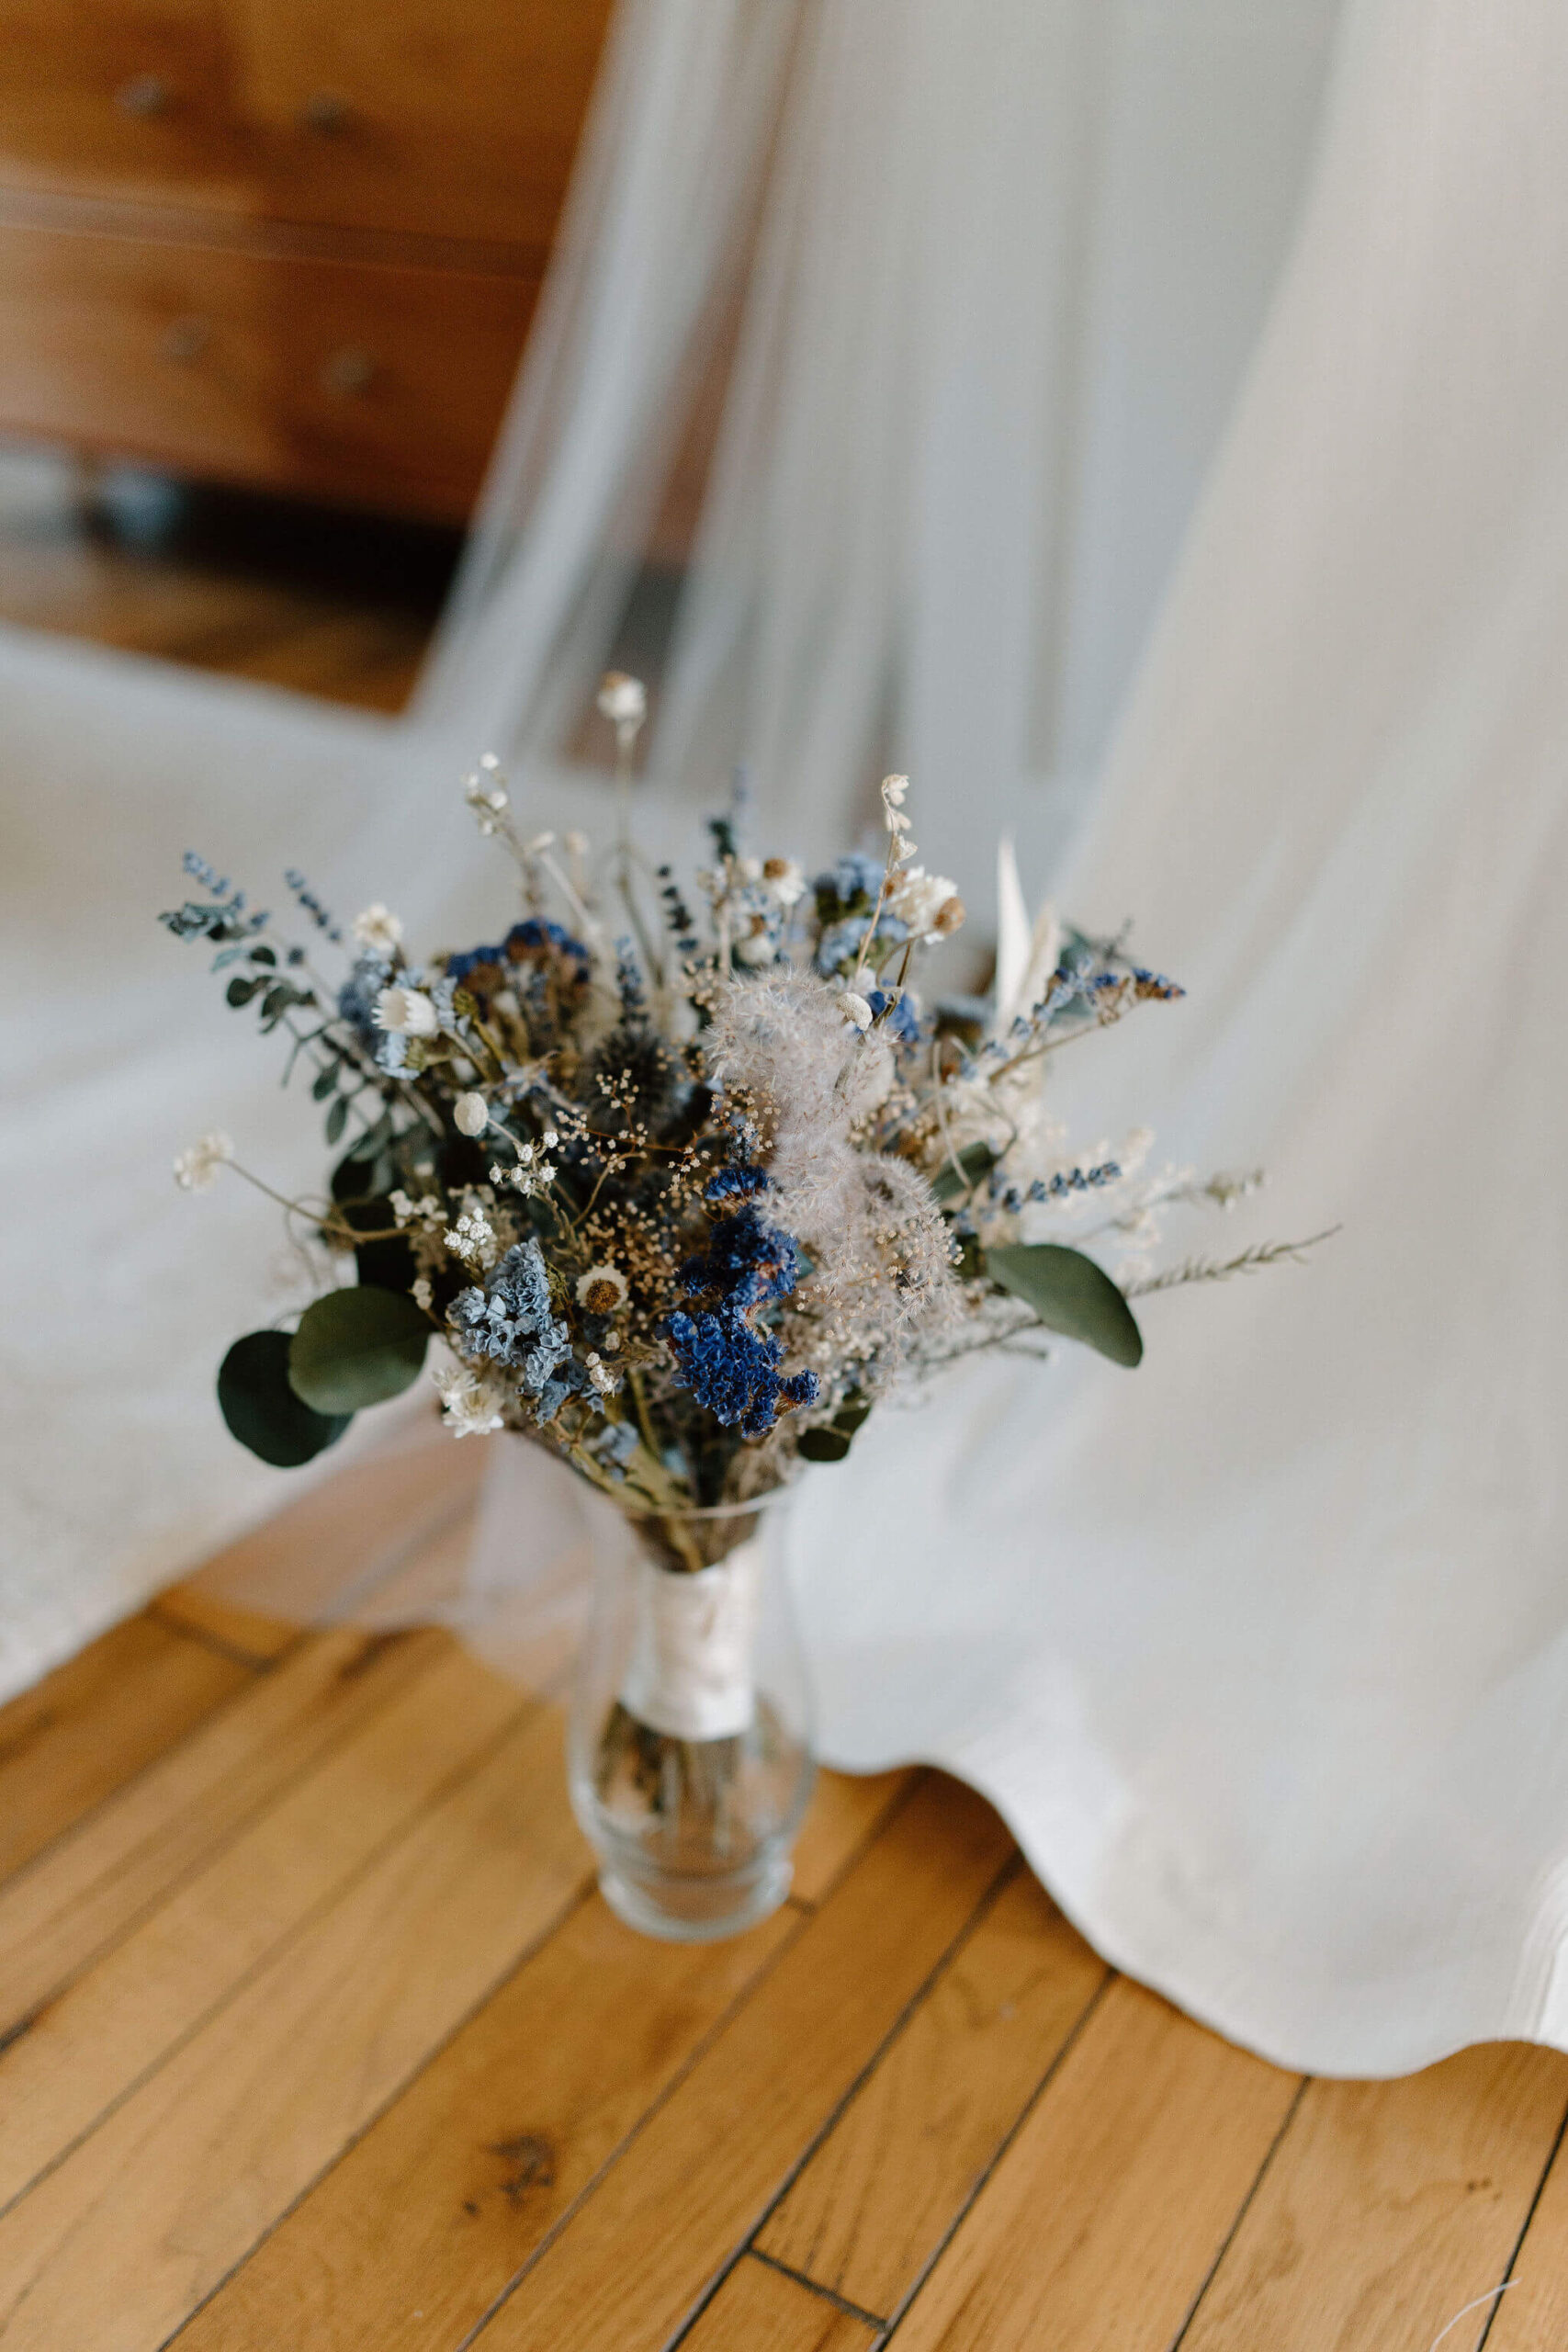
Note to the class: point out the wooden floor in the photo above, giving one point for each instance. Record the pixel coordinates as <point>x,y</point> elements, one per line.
<point>316,2034</point>
<point>328,605</point>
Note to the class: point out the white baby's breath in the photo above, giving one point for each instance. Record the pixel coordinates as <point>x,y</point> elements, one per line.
<point>194,1170</point>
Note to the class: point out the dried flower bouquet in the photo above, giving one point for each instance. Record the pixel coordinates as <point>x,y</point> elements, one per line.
<point>683,1197</point>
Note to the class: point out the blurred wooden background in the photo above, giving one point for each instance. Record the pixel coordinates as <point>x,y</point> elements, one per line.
<point>288,243</point>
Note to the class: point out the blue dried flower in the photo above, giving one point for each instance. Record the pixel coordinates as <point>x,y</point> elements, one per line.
<point>735,1183</point>
<point>747,1260</point>
<point>733,1370</point>
<point>730,1368</point>
<point>356,998</point>
<point>903,1023</point>
<point>511,1321</point>
<point>854,876</point>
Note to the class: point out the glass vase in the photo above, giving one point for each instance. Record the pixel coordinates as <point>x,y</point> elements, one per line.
<point>690,1744</point>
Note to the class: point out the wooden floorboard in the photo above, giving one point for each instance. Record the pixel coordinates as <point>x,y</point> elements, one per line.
<point>89,1727</point>
<point>322,2038</point>
<point>880,2195</point>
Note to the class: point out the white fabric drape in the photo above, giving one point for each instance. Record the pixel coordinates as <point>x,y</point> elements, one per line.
<point>1263,1651</point>
<point>1006,266</point>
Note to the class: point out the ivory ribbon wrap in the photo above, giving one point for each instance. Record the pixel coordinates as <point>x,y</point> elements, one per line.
<point>690,1673</point>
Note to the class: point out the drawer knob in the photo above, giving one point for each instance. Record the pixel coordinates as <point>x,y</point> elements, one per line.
<point>349,370</point>
<point>186,339</point>
<point>145,95</point>
<point>325,112</point>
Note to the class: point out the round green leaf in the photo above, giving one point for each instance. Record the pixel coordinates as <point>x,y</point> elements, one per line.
<point>261,1409</point>
<point>823,1445</point>
<point>1071,1294</point>
<point>356,1347</point>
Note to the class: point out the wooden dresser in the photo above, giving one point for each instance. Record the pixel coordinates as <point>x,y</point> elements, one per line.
<point>293,243</point>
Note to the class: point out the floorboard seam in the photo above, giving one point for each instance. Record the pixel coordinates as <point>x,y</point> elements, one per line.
<point>302,1926</point>
<point>274,1797</point>
<point>655,2106</point>
<point>828,2294</point>
<point>977,2187</point>
<point>1524,2231</point>
<point>377,1574</point>
<point>1241,2213</point>
<point>943,1960</point>
<point>208,1640</point>
<point>536,1944</point>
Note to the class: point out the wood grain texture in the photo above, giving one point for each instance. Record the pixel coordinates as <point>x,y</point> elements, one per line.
<point>96,1720</point>
<point>409,2241</point>
<point>635,2260</point>
<point>341,380</point>
<point>759,2310</point>
<point>875,2200</point>
<point>146,2217</point>
<point>77,1899</point>
<point>87,2047</point>
<point>1532,2315</point>
<point>1100,2222</point>
<point>1387,2207</point>
<point>509,2125</point>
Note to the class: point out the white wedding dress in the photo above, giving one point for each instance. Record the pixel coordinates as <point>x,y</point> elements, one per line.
<point>1263,1650</point>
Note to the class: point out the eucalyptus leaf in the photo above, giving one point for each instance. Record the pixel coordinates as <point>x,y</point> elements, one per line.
<point>356,1347</point>
<point>325,1080</point>
<point>241,991</point>
<point>338,1118</point>
<point>976,1160</point>
<point>263,1410</point>
<point>1070,1295</point>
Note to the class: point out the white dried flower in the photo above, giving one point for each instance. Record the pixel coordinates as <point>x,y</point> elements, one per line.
<point>471,1115</point>
<point>786,878</point>
<point>194,1170</point>
<point>602,1290</point>
<point>894,788</point>
<point>600,1376</point>
<point>377,928</point>
<point>409,1013</point>
<point>473,1239</point>
<point>473,1402</point>
<point>421,1292</point>
<point>756,948</point>
<point>427,1211</point>
<point>622,700</point>
<point>928,903</point>
<point>854,1007</point>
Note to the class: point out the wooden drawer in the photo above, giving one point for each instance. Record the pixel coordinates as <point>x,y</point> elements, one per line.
<point>125,99</point>
<point>458,118</point>
<point>447,118</point>
<point>333,378</point>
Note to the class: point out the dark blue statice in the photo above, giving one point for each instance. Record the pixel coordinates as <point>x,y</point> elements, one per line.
<point>729,1367</point>
<point>737,1183</point>
<point>511,1322</point>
